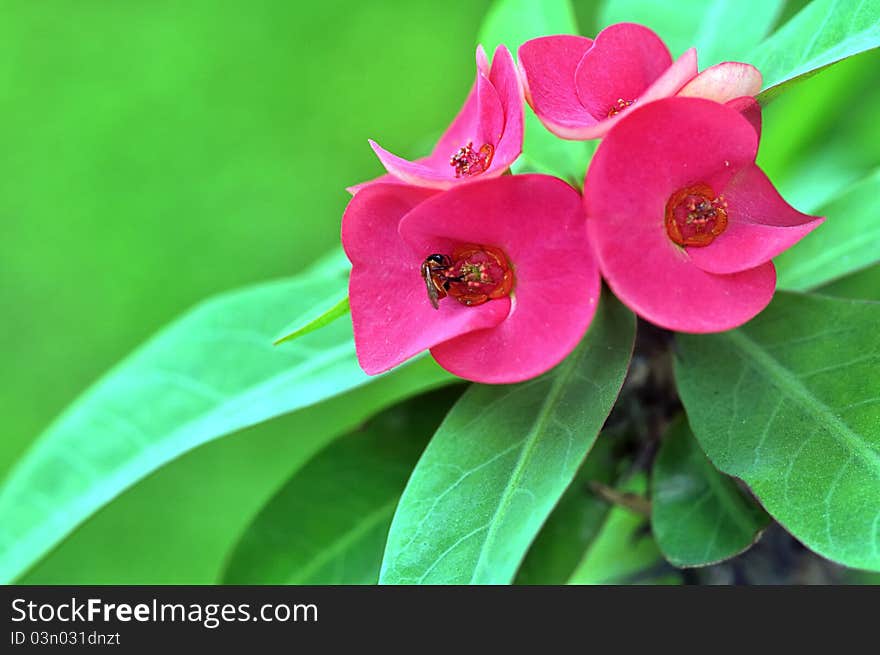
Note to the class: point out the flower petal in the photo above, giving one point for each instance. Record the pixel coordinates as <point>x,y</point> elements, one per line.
<point>489,125</point>
<point>673,78</point>
<point>481,120</point>
<point>724,82</point>
<point>391,314</point>
<point>664,146</point>
<point>675,142</point>
<point>538,222</point>
<point>760,226</point>
<point>423,172</point>
<point>387,178</point>
<point>750,110</point>
<point>507,84</point>
<point>549,64</point>
<point>624,61</point>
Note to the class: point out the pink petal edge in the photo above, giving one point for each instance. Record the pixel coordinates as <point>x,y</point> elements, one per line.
<point>761,224</point>
<point>548,66</point>
<point>724,82</point>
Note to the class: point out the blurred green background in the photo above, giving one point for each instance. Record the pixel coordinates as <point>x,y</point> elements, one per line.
<point>154,152</point>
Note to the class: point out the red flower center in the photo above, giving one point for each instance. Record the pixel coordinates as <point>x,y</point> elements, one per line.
<point>468,161</point>
<point>472,275</point>
<point>619,106</point>
<point>695,216</point>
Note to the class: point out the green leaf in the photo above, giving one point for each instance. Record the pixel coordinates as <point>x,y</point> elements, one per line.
<point>315,530</point>
<point>513,22</point>
<point>698,515</point>
<point>212,372</point>
<point>502,459</point>
<point>822,33</point>
<point>790,403</point>
<point>848,240</point>
<point>863,285</point>
<point>706,25</point>
<point>624,551</point>
<point>335,310</point>
<point>573,524</point>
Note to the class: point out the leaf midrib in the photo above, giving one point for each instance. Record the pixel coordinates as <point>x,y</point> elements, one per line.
<point>513,483</point>
<point>345,541</point>
<point>786,382</point>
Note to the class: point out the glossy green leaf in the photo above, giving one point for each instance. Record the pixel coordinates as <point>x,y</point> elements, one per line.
<point>210,373</point>
<point>335,310</point>
<point>848,240</point>
<point>502,459</point>
<point>703,24</point>
<point>574,522</point>
<point>513,22</point>
<point>823,32</point>
<point>862,285</point>
<point>624,552</point>
<point>698,515</point>
<point>329,522</point>
<point>790,403</point>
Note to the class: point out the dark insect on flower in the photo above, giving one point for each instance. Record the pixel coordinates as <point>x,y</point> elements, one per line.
<point>434,270</point>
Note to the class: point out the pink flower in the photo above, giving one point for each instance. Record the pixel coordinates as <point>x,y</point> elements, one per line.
<point>580,88</point>
<point>506,261</point>
<point>483,140</point>
<point>683,221</point>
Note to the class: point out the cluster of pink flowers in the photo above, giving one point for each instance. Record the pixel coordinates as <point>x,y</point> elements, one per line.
<point>499,275</point>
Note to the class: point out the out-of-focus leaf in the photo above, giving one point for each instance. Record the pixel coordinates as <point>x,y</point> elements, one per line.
<point>513,22</point>
<point>862,285</point>
<point>502,459</point>
<point>166,528</point>
<point>822,33</point>
<point>703,24</point>
<point>573,524</point>
<point>807,150</point>
<point>847,241</point>
<point>624,552</point>
<point>790,403</point>
<point>210,373</point>
<point>329,522</point>
<point>698,515</point>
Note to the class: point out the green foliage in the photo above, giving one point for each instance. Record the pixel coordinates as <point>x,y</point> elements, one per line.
<point>848,240</point>
<point>704,24</point>
<point>698,516</point>
<point>328,524</point>
<point>824,32</point>
<point>574,523</point>
<point>863,285</point>
<point>178,525</point>
<point>135,200</point>
<point>500,462</point>
<point>789,403</point>
<point>211,373</point>
<point>623,551</point>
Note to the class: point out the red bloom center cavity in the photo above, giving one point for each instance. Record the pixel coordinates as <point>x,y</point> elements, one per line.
<point>619,106</point>
<point>472,275</point>
<point>695,216</point>
<point>468,161</point>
